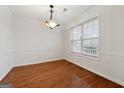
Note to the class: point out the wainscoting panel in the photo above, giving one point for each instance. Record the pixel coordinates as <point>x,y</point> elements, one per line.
<point>25,57</point>
<point>6,63</point>
<point>109,65</point>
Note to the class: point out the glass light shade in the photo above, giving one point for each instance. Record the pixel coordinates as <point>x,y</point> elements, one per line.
<point>51,24</point>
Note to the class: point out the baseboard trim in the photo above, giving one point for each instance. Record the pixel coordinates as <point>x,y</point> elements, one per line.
<point>5,73</point>
<point>99,73</point>
<point>38,62</point>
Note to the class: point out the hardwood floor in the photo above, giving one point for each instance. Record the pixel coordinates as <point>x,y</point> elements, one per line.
<point>56,74</point>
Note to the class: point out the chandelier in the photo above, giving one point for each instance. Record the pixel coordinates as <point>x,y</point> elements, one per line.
<point>50,23</point>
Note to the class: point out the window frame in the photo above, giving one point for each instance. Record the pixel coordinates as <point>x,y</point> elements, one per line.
<point>98,38</point>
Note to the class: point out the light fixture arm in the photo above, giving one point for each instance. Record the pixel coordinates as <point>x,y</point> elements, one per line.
<point>51,11</point>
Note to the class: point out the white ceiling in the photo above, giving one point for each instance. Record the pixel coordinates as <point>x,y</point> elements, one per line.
<point>41,12</point>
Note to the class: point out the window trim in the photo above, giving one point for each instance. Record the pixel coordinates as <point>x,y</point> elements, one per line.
<point>99,35</point>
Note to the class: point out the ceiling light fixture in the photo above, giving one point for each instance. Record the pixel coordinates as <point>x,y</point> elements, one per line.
<point>50,23</point>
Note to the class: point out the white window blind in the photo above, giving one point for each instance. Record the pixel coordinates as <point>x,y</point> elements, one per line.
<point>90,38</point>
<point>85,38</point>
<point>76,39</point>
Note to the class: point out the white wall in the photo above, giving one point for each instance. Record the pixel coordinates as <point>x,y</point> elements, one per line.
<point>111,60</point>
<point>6,41</point>
<point>34,43</point>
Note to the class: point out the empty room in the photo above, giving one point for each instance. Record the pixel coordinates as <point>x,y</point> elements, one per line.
<point>61,46</point>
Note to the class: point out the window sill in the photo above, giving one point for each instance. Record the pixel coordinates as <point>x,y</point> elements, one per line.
<point>83,55</point>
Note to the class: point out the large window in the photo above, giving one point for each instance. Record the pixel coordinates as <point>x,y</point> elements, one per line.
<point>85,37</point>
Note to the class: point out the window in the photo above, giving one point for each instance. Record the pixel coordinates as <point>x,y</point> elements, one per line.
<point>76,39</point>
<point>85,37</point>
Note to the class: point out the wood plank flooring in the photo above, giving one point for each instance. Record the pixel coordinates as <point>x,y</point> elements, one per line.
<point>56,74</point>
